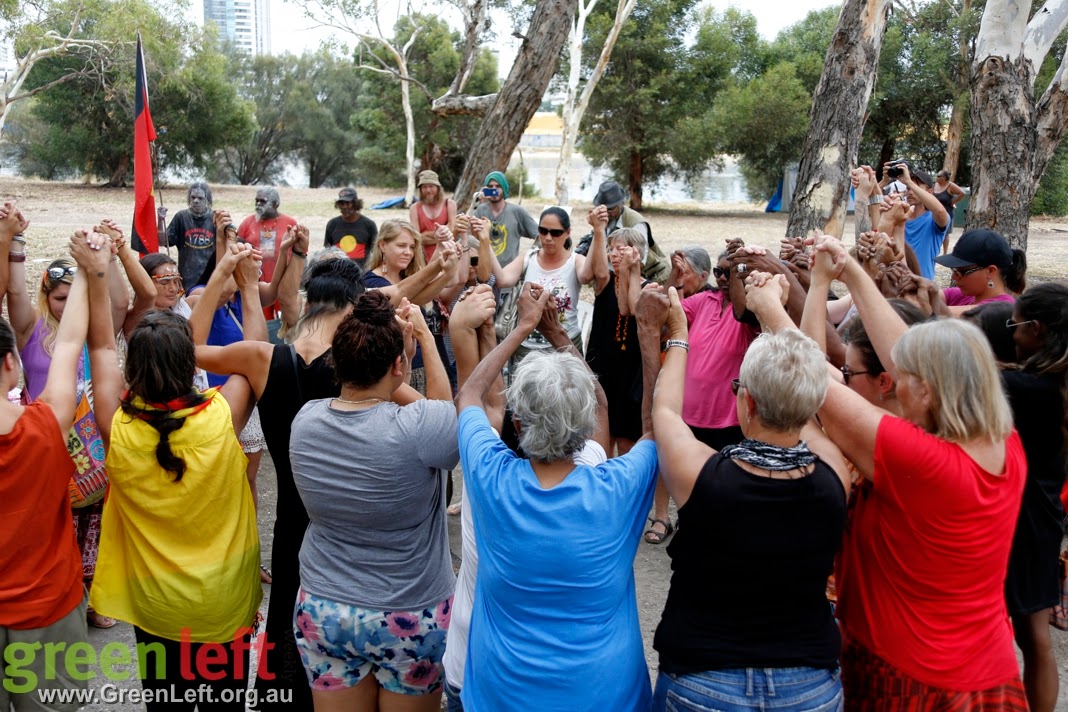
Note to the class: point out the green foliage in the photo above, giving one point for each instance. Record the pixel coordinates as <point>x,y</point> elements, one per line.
<point>517,177</point>
<point>1051,198</point>
<point>804,44</point>
<point>442,143</point>
<point>302,110</point>
<point>87,123</point>
<point>764,122</point>
<point>641,120</point>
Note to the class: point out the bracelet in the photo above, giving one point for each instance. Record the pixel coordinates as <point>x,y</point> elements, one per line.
<point>298,253</point>
<point>21,237</point>
<point>16,257</point>
<point>875,198</point>
<point>685,345</point>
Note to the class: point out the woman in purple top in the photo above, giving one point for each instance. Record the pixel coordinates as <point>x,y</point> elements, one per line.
<point>985,269</point>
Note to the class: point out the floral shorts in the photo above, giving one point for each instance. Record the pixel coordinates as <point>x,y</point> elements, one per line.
<point>341,644</point>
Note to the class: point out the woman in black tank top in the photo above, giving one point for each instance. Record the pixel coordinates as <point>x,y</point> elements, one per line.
<point>746,623</point>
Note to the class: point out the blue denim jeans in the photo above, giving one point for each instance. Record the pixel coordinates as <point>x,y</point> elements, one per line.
<point>746,689</point>
<point>452,698</point>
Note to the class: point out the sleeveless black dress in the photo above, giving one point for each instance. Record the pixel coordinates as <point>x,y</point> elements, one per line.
<point>290,384</point>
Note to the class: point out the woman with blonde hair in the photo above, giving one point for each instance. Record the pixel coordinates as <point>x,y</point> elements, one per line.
<point>397,254</point>
<point>921,603</point>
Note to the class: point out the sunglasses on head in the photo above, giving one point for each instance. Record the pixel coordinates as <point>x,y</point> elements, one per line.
<point>555,232</point>
<point>56,273</point>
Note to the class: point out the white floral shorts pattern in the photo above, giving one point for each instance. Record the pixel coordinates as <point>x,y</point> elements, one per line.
<point>341,644</point>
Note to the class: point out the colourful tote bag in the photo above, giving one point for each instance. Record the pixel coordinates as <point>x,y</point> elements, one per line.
<point>89,481</point>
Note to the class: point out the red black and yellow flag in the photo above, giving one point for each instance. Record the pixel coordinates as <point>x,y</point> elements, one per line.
<point>145,238</point>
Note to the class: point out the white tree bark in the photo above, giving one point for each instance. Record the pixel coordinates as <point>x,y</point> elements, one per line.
<point>1013,135</point>
<point>575,104</point>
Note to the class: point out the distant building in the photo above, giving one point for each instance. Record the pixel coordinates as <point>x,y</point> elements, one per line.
<point>545,130</point>
<point>7,58</point>
<point>245,23</point>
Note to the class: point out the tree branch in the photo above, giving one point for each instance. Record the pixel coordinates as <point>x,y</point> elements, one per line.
<point>1002,31</point>
<point>1042,31</point>
<point>463,105</point>
<point>1052,113</point>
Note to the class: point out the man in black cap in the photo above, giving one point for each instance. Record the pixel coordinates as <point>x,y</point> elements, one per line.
<point>610,194</point>
<point>354,233</point>
<point>927,225</point>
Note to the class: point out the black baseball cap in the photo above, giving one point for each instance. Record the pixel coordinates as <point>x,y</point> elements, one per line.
<point>978,247</point>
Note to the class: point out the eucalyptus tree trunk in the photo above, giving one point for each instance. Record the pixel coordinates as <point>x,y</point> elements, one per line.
<point>839,109</point>
<point>519,97</point>
<point>1013,135</point>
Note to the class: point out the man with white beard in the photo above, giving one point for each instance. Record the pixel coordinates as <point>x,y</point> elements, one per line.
<point>265,229</point>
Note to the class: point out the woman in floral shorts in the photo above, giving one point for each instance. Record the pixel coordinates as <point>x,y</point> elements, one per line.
<point>376,575</point>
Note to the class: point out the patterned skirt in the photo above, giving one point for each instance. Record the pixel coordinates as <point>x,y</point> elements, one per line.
<point>873,685</point>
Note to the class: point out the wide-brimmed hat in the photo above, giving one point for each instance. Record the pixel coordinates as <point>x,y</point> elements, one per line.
<point>978,247</point>
<point>610,194</point>
<point>428,178</point>
<point>346,195</point>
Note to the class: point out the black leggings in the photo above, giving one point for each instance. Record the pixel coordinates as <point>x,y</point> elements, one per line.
<point>177,691</point>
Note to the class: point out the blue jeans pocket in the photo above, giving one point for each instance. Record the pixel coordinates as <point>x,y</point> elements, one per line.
<point>770,690</point>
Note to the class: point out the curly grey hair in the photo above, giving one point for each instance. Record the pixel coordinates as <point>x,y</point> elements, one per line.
<point>553,397</point>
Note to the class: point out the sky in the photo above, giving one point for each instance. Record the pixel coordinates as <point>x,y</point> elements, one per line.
<point>292,31</point>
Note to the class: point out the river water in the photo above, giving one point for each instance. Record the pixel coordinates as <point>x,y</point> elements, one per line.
<point>725,186</point>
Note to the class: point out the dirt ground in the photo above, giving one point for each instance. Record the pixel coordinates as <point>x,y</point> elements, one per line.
<point>55,210</point>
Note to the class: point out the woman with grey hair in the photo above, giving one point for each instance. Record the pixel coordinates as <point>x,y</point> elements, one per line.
<point>740,629</point>
<point>921,600</point>
<point>556,540</point>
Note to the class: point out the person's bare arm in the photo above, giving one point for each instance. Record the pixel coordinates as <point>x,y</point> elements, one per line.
<point>108,380</point>
<point>481,231</point>
<point>204,311</point>
<point>956,191</point>
<point>469,344</point>
<point>549,326</point>
<point>117,291</point>
<point>449,257</point>
<point>926,198</point>
<point>238,395</point>
<point>766,295</point>
<point>884,326</point>
<point>59,390</point>
<point>144,288</point>
<point>269,290</point>
<point>10,225</point>
<point>437,379</point>
<point>509,276</point>
<point>289,289</point>
<point>681,455</point>
<point>488,371</point>
<point>596,268</point>
<point>814,322</point>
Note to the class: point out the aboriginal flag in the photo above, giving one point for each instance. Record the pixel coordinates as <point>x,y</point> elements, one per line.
<point>145,238</point>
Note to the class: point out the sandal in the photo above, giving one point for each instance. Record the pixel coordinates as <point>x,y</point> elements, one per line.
<point>652,536</point>
<point>99,621</point>
<point>265,575</point>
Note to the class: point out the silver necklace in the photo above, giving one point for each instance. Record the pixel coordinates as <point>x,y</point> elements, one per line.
<point>339,399</point>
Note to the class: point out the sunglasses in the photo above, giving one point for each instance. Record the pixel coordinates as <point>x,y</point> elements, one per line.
<point>847,373</point>
<point>736,385</point>
<point>550,231</point>
<point>1011,325</point>
<point>718,272</point>
<point>965,273</point>
<point>168,279</point>
<point>57,273</point>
